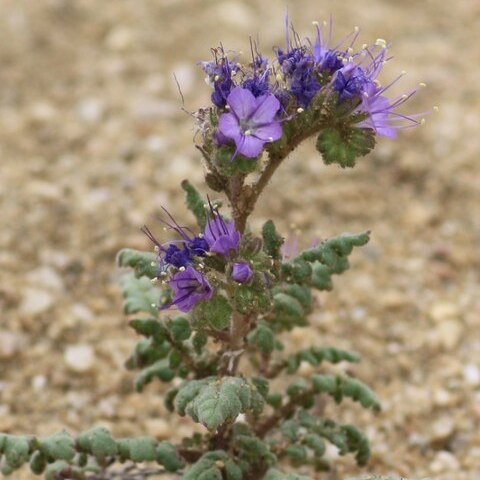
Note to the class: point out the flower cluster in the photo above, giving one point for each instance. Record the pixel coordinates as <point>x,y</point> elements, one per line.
<point>182,262</point>
<point>253,101</point>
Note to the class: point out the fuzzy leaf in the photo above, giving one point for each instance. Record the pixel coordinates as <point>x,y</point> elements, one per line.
<point>160,369</point>
<point>149,327</point>
<point>274,474</point>
<point>139,449</point>
<point>219,401</point>
<point>263,338</point>
<point>316,355</point>
<point>215,313</point>
<point>179,328</point>
<point>187,392</point>
<point>272,241</point>
<point>210,467</point>
<point>195,203</point>
<point>58,447</point>
<point>98,441</point>
<point>144,263</point>
<point>16,450</point>
<point>339,387</point>
<point>167,456</point>
<point>344,145</point>
<point>38,462</point>
<point>139,295</point>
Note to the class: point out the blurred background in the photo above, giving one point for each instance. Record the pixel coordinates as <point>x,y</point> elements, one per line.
<point>93,142</point>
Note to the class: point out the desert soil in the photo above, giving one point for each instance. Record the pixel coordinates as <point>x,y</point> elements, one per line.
<point>93,143</point>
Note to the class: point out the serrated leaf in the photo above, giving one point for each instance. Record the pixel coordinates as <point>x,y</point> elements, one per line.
<point>215,313</point>
<point>195,203</point>
<point>59,446</point>
<point>272,241</point>
<point>144,263</point>
<point>263,338</point>
<point>167,456</point>
<point>343,145</point>
<point>139,295</point>
<point>219,401</point>
<point>160,369</point>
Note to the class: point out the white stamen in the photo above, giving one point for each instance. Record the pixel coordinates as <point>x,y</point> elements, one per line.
<point>365,94</point>
<point>201,266</point>
<point>200,235</point>
<point>154,280</point>
<point>315,23</point>
<point>381,42</point>
<point>248,133</point>
<point>152,264</point>
<point>403,72</point>
<point>325,23</point>
<point>421,84</point>
<point>227,107</point>
<point>216,78</point>
<point>279,77</point>
<point>364,46</point>
<point>181,269</point>
<point>356,29</point>
<point>423,121</point>
<point>435,108</point>
<point>205,205</point>
<point>153,305</point>
<point>270,139</point>
<point>163,274</point>
<point>350,50</point>
<point>300,110</point>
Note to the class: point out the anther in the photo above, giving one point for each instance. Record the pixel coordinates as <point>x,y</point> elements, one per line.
<point>300,110</point>
<point>381,42</point>
<point>152,264</point>
<point>154,280</point>
<point>403,72</point>
<point>421,84</point>
<point>435,108</point>
<point>181,269</point>
<point>216,78</point>
<point>356,29</point>
<point>248,132</point>
<point>423,121</point>
<point>364,46</point>
<point>270,139</point>
<point>315,23</point>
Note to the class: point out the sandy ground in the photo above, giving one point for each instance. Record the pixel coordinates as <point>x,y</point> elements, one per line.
<point>92,143</point>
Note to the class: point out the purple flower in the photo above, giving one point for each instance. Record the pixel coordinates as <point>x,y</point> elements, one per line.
<point>222,237</point>
<point>177,253</point>
<point>241,272</point>
<point>251,121</point>
<point>350,82</point>
<point>189,288</point>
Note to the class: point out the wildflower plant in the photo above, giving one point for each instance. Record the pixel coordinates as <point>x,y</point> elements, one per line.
<point>211,301</point>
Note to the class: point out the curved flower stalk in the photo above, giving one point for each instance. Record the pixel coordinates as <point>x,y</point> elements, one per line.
<point>237,290</point>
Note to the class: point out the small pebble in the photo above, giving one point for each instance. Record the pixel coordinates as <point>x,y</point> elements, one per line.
<point>79,358</point>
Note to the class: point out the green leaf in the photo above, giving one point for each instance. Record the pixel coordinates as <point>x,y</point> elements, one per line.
<point>339,387</point>
<point>59,446</point>
<point>139,449</point>
<point>179,328</point>
<point>160,369</point>
<point>38,463</point>
<point>149,327</point>
<point>199,340</point>
<point>215,313</point>
<point>274,474</point>
<point>195,203</point>
<point>316,355</point>
<point>139,295</point>
<point>263,338</point>
<point>241,165</point>
<point>272,241</point>
<point>167,456</point>
<point>144,263</point>
<point>344,144</point>
<point>219,401</point>
<point>16,450</point>
<point>208,467</point>
<point>187,392</point>
<point>98,441</point>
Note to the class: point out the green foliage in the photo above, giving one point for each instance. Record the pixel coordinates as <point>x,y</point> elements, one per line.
<point>241,165</point>
<point>161,369</point>
<point>214,465</point>
<point>274,474</point>
<point>344,144</point>
<point>58,447</point>
<point>215,313</point>
<point>215,401</point>
<point>195,203</point>
<point>340,387</point>
<point>139,295</point>
<point>143,263</point>
<point>262,338</point>
<point>272,241</point>
<point>316,355</point>
<point>316,266</point>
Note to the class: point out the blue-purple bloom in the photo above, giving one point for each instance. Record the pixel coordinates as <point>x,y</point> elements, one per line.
<point>177,253</point>
<point>241,272</point>
<point>189,288</point>
<point>222,237</point>
<point>250,122</point>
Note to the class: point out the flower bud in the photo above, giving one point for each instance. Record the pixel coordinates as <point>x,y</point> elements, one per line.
<point>241,272</point>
